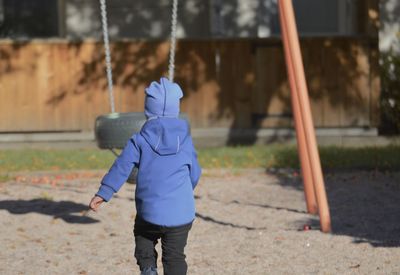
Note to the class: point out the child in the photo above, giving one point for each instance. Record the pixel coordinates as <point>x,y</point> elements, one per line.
<point>163,152</point>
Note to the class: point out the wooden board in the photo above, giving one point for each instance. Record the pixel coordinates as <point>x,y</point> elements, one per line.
<point>61,85</point>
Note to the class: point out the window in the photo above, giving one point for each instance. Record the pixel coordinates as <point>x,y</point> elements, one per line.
<point>260,18</point>
<point>1,13</point>
<point>23,19</point>
<point>78,19</point>
<point>319,17</point>
<point>136,19</point>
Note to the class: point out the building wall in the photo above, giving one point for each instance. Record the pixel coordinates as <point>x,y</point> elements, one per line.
<point>150,19</point>
<point>389,32</point>
<point>136,19</point>
<point>205,19</point>
<point>61,86</point>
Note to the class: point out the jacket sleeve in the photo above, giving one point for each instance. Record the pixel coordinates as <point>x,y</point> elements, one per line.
<point>195,169</point>
<point>120,170</point>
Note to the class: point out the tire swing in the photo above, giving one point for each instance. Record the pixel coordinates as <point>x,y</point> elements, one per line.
<point>113,130</point>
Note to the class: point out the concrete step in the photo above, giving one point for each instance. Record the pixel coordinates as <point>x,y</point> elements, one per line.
<point>211,137</point>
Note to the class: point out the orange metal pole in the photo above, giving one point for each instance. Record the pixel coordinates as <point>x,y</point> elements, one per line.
<point>293,49</point>
<point>309,192</point>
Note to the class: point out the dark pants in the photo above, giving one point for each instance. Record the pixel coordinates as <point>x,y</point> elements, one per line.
<point>173,242</point>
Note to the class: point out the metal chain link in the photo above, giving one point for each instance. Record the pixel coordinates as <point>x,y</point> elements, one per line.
<point>107,52</point>
<point>171,65</point>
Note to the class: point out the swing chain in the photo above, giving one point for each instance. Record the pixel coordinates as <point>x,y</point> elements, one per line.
<point>171,65</point>
<point>107,53</point>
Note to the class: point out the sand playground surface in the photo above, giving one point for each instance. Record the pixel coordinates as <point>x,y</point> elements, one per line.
<point>248,222</point>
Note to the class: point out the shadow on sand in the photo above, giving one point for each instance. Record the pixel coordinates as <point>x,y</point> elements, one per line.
<point>68,211</point>
<point>213,220</point>
<point>363,205</point>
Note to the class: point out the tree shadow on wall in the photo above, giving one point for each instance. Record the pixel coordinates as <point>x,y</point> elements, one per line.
<point>338,72</point>
<point>390,68</point>
<point>246,89</point>
<point>231,83</point>
<point>7,54</point>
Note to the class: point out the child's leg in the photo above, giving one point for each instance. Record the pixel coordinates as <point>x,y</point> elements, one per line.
<point>173,243</point>
<point>146,236</point>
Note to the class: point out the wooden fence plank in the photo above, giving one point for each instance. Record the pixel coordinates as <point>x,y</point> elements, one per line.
<point>61,86</point>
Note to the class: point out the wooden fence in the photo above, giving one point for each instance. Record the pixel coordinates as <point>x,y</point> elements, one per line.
<point>61,85</point>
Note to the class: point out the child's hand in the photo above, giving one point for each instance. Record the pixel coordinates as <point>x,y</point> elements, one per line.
<point>95,203</point>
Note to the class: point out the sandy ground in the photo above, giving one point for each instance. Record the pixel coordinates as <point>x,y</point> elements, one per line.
<point>248,222</point>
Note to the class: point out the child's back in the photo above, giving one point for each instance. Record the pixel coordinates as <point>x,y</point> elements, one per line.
<point>164,153</point>
<point>164,194</point>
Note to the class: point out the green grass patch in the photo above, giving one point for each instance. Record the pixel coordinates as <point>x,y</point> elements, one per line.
<point>276,156</point>
<point>279,156</point>
<point>54,160</point>
<point>4,177</point>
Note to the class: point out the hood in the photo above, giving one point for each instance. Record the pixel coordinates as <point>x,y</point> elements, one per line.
<point>162,99</point>
<point>165,135</point>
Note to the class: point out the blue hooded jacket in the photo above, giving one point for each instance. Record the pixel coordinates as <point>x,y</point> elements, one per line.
<point>164,153</point>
